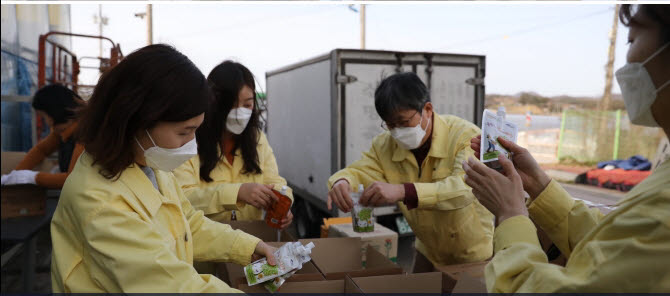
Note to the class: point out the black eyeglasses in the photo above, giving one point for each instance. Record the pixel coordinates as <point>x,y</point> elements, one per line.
<point>389,126</point>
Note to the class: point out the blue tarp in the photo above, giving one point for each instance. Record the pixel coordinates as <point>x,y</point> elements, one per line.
<point>636,162</point>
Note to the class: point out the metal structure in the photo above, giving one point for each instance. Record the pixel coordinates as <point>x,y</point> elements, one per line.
<point>65,73</point>
<point>65,66</point>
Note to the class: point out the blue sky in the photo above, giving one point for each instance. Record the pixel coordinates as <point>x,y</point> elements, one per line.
<point>552,49</point>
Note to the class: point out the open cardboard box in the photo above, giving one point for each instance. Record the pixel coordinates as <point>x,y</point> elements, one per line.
<point>343,286</point>
<point>430,282</point>
<point>231,273</point>
<point>453,273</point>
<point>338,257</point>
<point>25,199</point>
<point>382,239</point>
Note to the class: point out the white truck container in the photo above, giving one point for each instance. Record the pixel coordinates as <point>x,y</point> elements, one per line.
<point>321,114</point>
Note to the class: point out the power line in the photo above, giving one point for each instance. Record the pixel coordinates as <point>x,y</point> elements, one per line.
<point>524,31</point>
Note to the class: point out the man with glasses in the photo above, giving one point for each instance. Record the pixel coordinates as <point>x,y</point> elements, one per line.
<point>417,166</point>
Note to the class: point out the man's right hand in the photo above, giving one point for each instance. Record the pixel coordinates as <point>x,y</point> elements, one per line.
<point>259,196</point>
<point>340,195</point>
<point>533,177</point>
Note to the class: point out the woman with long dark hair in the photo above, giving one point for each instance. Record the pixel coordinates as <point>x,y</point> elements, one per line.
<point>57,105</point>
<point>123,224</point>
<point>235,171</point>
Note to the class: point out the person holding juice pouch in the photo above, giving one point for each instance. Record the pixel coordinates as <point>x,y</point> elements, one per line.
<point>416,165</point>
<point>493,127</point>
<point>123,224</point>
<point>235,172</point>
<point>625,251</point>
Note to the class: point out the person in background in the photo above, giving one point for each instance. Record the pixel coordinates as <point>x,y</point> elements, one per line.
<point>235,171</point>
<point>626,251</point>
<point>56,104</point>
<point>123,224</point>
<point>416,165</point>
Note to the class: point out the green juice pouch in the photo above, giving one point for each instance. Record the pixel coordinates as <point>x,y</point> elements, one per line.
<point>494,125</point>
<point>362,218</point>
<point>289,258</point>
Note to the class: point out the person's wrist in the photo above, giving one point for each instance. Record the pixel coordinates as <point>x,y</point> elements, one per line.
<point>509,213</point>
<point>540,182</point>
<point>401,192</point>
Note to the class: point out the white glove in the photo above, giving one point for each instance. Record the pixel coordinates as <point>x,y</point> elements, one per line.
<point>20,177</point>
<point>4,178</point>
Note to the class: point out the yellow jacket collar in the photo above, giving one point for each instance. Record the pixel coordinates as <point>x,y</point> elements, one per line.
<point>437,145</point>
<point>143,189</point>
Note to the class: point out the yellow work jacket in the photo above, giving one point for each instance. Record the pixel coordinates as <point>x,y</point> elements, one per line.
<point>125,236</point>
<point>450,225</point>
<point>218,199</point>
<point>626,251</point>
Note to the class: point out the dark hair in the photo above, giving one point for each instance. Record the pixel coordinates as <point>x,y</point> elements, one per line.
<point>402,91</point>
<point>659,13</point>
<point>226,81</point>
<point>155,83</point>
<point>57,101</point>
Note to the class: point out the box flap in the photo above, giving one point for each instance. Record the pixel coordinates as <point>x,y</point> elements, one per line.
<point>336,254</point>
<point>375,259</point>
<point>401,283</point>
<point>469,284</point>
<point>475,269</point>
<point>452,273</point>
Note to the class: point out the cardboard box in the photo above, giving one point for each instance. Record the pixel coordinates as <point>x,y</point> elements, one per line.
<point>469,284</point>
<point>231,272</point>
<point>338,257</point>
<point>26,199</point>
<point>332,221</point>
<point>343,286</point>
<point>430,282</point>
<point>383,240</point>
<point>454,272</point>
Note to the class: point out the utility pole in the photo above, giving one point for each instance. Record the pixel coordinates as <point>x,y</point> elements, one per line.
<point>362,13</point>
<point>606,102</point>
<point>605,137</point>
<point>150,25</point>
<point>101,21</point>
<point>150,28</point>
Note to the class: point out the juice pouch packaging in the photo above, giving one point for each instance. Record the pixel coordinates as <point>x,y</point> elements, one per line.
<point>289,258</point>
<point>275,284</point>
<point>362,218</point>
<point>495,125</point>
<point>278,209</point>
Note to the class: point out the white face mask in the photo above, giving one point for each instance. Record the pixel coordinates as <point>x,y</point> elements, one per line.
<point>638,90</point>
<point>165,159</point>
<point>409,137</point>
<point>238,119</point>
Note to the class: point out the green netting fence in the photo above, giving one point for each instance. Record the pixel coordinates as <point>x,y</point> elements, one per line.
<point>594,136</point>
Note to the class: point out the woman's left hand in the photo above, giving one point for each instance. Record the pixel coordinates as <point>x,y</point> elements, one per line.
<point>502,194</point>
<point>286,221</point>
